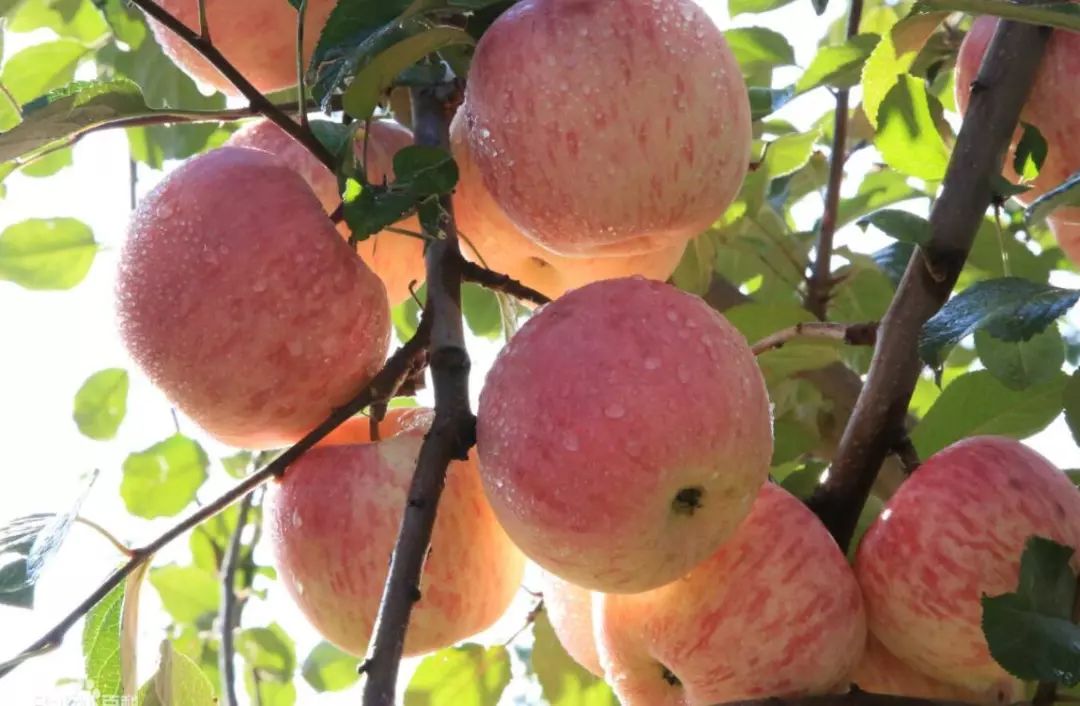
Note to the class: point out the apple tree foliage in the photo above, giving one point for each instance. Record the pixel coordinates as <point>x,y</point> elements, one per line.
<point>997,356</point>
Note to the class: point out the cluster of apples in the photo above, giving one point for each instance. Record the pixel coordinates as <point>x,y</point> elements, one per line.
<point>624,433</point>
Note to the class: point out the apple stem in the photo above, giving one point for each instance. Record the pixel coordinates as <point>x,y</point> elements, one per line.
<point>877,422</point>
<point>498,282</point>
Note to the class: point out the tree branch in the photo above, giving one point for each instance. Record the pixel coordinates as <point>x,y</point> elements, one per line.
<point>452,432</point>
<point>381,387</point>
<point>851,334</point>
<point>229,616</point>
<point>258,101</point>
<point>498,282</point>
<point>819,284</point>
<point>877,422</point>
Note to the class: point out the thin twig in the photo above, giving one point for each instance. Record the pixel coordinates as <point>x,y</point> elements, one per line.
<point>204,26</point>
<point>819,284</point>
<point>301,86</point>
<point>497,282</point>
<point>877,422</point>
<point>452,433</point>
<point>530,618</point>
<point>229,614</point>
<point>908,455</point>
<point>258,101</point>
<point>398,368</point>
<point>851,334</point>
<point>109,536</point>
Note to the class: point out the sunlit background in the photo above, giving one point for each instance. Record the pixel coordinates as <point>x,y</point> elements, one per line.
<point>51,342</point>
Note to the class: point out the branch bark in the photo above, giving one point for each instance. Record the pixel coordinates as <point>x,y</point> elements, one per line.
<point>452,433</point>
<point>381,387</point>
<point>819,284</point>
<point>498,282</point>
<point>851,334</point>
<point>877,423</point>
<point>229,616</point>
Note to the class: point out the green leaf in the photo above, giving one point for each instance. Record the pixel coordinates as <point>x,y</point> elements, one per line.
<point>353,22</point>
<point>765,101</point>
<point>1010,308</point>
<point>893,56</point>
<point>162,480</point>
<point>101,403</point>
<point>469,675</point>
<point>1065,194</point>
<point>40,68</point>
<point>739,7</point>
<point>179,681</point>
<point>757,47</point>
<point>787,154</point>
<point>68,18</point>
<point>377,75</point>
<point>901,225</point>
<point>481,309</point>
<point>838,66</point>
<point>1030,152</point>
<point>47,253</point>
<point>270,650</point>
<point>406,315</point>
<point>564,681</point>
<point>67,112</point>
<point>976,403</point>
<point>190,595</point>
<point>426,171</point>
<point>1060,16</point>
<point>907,134</point>
<point>1021,364</point>
<point>101,644</point>
<point>1029,632</point>
<point>329,669</point>
<point>877,190</point>
<point>1071,397</point>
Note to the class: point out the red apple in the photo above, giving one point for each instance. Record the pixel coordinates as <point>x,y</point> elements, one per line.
<point>333,523</point>
<point>774,611</point>
<point>954,532</point>
<point>397,259</point>
<point>623,434</point>
<point>258,37</point>
<point>242,303</point>
<point>1052,106</point>
<point>490,238</point>
<point>610,127</point>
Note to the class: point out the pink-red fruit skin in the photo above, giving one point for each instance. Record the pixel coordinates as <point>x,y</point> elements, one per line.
<point>334,520</point>
<point>258,37</point>
<point>881,672</point>
<point>569,608</point>
<point>397,259</point>
<point>623,434</point>
<point>774,611</point>
<point>242,303</point>
<point>608,126</point>
<point>954,532</point>
<point>1068,237</point>
<point>1052,107</point>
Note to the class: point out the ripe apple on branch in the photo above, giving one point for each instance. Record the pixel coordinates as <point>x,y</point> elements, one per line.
<point>702,524</point>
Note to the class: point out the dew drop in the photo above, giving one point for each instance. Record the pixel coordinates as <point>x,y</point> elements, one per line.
<point>570,442</point>
<point>615,411</point>
<point>652,363</point>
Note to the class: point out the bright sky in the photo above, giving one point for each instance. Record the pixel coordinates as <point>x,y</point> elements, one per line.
<point>53,341</point>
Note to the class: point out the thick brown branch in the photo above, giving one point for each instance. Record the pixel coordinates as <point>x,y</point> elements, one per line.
<point>382,386</point>
<point>498,282</point>
<point>877,423</point>
<point>258,101</point>
<point>819,284</point>
<point>452,432</point>
<point>851,334</point>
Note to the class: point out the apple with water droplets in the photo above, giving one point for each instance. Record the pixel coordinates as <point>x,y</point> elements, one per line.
<point>623,434</point>
<point>258,37</point>
<point>610,127</point>
<point>954,532</point>
<point>242,303</point>
<point>334,519</point>
<point>773,611</point>
<point>396,258</point>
